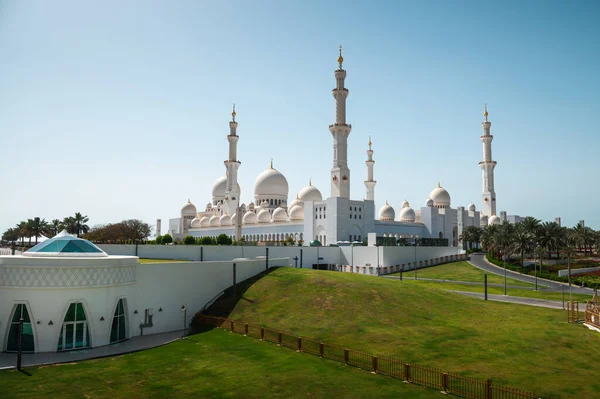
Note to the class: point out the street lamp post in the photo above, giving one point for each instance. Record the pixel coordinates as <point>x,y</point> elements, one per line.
<point>352,250</point>
<point>184,310</point>
<point>504,260</point>
<point>535,266</point>
<point>377,268</point>
<point>415,258</point>
<point>296,262</point>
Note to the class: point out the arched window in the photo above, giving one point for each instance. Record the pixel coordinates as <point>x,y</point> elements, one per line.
<point>118,330</point>
<point>28,344</point>
<point>74,333</point>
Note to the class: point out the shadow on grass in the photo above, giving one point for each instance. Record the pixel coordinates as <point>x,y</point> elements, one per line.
<point>225,305</point>
<point>27,373</point>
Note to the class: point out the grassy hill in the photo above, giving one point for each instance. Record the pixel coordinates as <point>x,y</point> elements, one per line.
<point>214,364</point>
<point>524,347</point>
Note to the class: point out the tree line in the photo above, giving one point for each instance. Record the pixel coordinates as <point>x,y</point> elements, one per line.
<point>33,229</point>
<point>532,237</point>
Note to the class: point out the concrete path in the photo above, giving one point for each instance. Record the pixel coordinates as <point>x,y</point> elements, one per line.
<point>436,280</point>
<point>478,260</point>
<point>514,299</point>
<point>9,360</point>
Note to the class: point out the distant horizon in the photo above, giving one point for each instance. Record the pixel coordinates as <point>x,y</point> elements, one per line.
<point>119,111</point>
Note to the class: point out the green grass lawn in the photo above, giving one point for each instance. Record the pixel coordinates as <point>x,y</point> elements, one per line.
<point>462,271</point>
<point>540,294</point>
<point>526,347</point>
<point>145,260</point>
<point>214,364</point>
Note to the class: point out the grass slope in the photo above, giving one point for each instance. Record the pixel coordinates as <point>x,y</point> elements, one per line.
<point>462,271</point>
<point>214,364</point>
<point>521,346</point>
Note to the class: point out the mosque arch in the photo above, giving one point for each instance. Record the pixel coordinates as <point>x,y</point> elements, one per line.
<point>118,328</point>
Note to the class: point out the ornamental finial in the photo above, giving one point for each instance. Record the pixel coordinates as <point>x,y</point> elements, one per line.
<point>340,58</point>
<point>271,163</point>
<point>370,142</point>
<point>233,112</point>
<point>485,113</point>
<point>310,181</point>
<point>439,185</point>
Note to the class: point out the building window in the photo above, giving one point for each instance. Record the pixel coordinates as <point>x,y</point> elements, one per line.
<point>360,216</point>
<point>74,333</point>
<point>28,344</point>
<point>350,216</point>
<point>118,330</point>
<point>350,209</point>
<point>355,216</point>
<point>316,217</point>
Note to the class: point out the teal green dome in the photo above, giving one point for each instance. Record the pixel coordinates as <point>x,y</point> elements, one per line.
<point>65,245</point>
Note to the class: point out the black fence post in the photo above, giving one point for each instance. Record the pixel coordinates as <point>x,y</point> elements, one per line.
<point>20,345</point>
<point>201,254</point>
<point>485,284</point>
<point>234,280</point>
<point>300,258</point>
<point>267,260</point>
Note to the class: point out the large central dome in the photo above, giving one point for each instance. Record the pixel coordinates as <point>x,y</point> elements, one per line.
<point>271,183</point>
<point>440,197</point>
<point>218,191</point>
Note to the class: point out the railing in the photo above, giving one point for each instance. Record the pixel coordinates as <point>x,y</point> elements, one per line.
<point>451,383</point>
<point>592,312</point>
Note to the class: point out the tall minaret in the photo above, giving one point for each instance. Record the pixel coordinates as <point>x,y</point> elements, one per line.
<point>232,195</point>
<point>370,183</point>
<point>487,169</point>
<point>340,174</point>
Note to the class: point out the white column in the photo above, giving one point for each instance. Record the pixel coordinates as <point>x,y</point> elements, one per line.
<point>232,195</point>
<point>488,207</point>
<point>340,130</point>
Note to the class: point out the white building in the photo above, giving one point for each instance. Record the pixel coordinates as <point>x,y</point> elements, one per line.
<point>309,216</point>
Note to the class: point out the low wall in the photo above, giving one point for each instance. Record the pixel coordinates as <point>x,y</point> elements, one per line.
<point>565,273</point>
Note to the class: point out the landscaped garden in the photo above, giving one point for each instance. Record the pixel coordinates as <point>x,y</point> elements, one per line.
<point>214,364</point>
<point>521,346</point>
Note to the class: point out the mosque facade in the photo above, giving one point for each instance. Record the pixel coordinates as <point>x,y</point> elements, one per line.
<point>272,217</point>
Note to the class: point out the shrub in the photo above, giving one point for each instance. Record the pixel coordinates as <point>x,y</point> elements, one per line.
<point>167,239</point>
<point>205,241</point>
<point>158,240</point>
<point>189,240</point>
<point>223,239</point>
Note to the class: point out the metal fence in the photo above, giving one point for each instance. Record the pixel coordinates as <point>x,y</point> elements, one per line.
<point>392,367</point>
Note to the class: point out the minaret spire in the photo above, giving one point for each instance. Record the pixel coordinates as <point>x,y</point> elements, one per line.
<point>340,130</point>
<point>487,169</point>
<point>370,183</point>
<point>232,193</point>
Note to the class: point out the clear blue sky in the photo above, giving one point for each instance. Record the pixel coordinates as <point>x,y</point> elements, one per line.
<point>120,109</point>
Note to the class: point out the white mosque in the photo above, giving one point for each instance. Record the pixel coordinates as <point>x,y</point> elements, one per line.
<point>271,217</point>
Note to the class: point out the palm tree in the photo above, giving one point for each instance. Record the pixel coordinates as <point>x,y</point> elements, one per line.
<point>37,227</point>
<point>569,250</point>
<point>550,237</point>
<point>505,238</point>
<point>11,235</point>
<point>584,237</point>
<point>69,224</point>
<point>489,239</point>
<point>23,230</point>
<point>56,226</point>
<point>80,224</point>
<point>523,241</point>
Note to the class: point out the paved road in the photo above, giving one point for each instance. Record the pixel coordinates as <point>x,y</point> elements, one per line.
<point>478,260</point>
<point>9,360</point>
<point>514,299</point>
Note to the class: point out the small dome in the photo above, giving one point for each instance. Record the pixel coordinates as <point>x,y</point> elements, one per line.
<point>264,204</point>
<point>295,202</point>
<point>493,220</point>
<point>483,221</point>
<point>279,215</point>
<point>271,182</point>
<point>213,221</point>
<point>195,223</point>
<point>264,216</point>
<point>387,213</point>
<point>257,209</point>
<point>405,204</point>
<point>407,215</point>
<point>440,197</point>
<point>225,220</point>
<point>205,221</point>
<point>471,207</point>
<point>233,218</point>
<point>297,213</point>
<point>218,191</point>
<point>251,206</point>
<point>249,218</point>
<point>429,202</point>
<point>310,193</point>
<point>188,209</point>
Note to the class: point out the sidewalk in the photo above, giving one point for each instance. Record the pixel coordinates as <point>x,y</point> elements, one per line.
<point>544,303</point>
<point>9,360</point>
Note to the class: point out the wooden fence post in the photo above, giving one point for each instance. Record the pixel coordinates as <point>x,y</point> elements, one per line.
<point>279,339</point>
<point>488,389</point>
<point>246,329</point>
<point>299,344</point>
<point>262,334</point>
<point>444,383</point>
<point>406,372</point>
<point>232,325</point>
<point>321,349</point>
<point>374,361</point>
<point>346,356</point>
